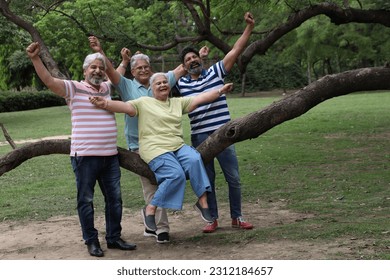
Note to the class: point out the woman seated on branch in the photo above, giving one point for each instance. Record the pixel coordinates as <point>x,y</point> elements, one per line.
<point>162,147</point>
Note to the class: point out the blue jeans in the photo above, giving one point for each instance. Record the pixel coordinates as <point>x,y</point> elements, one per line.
<point>105,170</point>
<point>228,161</point>
<point>171,170</point>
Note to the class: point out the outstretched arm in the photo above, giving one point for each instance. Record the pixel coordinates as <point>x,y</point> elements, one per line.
<point>112,74</point>
<point>240,44</point>
<point>54,84</point>
<point>113,105</point>
<point>209,96</point>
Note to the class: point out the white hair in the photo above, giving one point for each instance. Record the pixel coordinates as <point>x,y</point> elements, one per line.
<point>92,57</point>
<point>155,75</point>
<point>137,57</point>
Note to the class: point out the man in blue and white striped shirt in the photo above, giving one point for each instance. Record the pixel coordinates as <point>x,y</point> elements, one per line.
<point>209,117</point>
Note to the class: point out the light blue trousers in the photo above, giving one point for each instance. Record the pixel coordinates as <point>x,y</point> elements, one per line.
<point>172,169</point>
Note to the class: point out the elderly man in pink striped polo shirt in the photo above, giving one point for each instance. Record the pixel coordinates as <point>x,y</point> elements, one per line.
<point>94,155</point>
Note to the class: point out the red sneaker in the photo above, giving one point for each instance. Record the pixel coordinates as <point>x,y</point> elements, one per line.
<point>210,227</point>
<point>240,223</point>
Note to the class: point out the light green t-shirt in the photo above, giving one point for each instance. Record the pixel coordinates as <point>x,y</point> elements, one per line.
<point>160,125</point>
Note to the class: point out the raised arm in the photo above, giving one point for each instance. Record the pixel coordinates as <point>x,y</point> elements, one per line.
<point>204,52</point>
<point>54,84</point>
<point>210,96</point>
<point>113,105</point>
<point>112,74</point>
<point>240,44</point>
<point>126,55</point>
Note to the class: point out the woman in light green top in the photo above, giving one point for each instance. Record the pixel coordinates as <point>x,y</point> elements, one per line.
<point>162,145</point>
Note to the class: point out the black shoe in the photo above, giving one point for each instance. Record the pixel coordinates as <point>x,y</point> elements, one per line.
<point>149,233</point>
<point>163,237</point>
<point>95,250</point>
<point>149,220</point>
<point>122,245</point>
<point>204,213</point>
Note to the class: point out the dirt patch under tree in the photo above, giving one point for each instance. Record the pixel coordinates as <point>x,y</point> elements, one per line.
<point>60,238</point>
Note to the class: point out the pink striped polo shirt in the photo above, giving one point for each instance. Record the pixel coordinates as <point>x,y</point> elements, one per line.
<point>94,130</point>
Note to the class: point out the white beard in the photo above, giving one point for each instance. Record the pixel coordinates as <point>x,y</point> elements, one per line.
<point>96,81</point>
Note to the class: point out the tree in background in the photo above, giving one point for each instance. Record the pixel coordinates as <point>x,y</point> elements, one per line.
<point>319,37</point>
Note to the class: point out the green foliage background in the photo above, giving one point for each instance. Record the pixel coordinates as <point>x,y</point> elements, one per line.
<point>316,48</point>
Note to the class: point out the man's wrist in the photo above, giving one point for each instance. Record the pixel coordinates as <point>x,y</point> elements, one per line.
<point>124,64</point>
<point>105,104</point>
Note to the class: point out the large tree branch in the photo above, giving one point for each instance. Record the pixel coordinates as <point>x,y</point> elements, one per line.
<point>36,36</point>
<point>335,13</point>
<point>177,40</point>
<point>294,105</point>
<point>128,160</point>
<point>248,127</point>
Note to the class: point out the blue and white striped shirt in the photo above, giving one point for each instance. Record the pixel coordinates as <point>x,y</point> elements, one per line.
<point>210,116</point>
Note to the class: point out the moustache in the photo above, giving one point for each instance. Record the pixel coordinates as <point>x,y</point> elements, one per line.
<point>195,65</point>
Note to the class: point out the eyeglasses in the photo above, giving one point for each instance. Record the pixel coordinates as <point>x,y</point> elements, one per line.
<point>140,68</point>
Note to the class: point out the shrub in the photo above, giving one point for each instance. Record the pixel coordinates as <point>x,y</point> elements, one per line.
<point>20,101</point>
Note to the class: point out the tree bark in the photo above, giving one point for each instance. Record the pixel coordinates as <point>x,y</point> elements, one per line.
<point>248,127</point>
<point>128,160</point>
<point>255,124</point>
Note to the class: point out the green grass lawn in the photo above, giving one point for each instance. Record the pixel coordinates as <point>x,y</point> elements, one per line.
<point>332,162</point>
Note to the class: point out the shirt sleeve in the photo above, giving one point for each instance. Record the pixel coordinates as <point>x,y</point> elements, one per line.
<point>135,104</point>
<point>171,79</point>
<point>185,103</point>
<point>123,88</point>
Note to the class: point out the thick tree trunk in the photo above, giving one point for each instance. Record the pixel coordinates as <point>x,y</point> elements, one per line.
<point>248,127</point>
